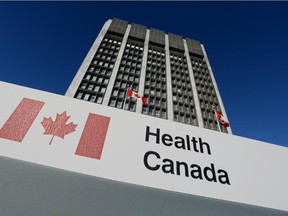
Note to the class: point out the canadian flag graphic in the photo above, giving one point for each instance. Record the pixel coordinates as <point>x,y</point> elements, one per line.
<point>20,121</point>
<point>221,118</point>
<point>133,94</point>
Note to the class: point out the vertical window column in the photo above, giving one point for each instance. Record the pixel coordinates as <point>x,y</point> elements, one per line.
<point>88,59</point>
<point>155,83</point>
<point>169,81</point>
<point>128,76</point>
<point>193,84</point>
<point>143,71</point>
<point>116,67</point>
<point>216,88</point>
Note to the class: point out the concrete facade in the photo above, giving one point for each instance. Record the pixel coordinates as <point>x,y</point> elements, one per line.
<point>40,190</point>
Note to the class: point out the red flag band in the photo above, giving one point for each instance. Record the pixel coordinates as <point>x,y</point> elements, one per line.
<point>21,120</point>
<point>93,136</point>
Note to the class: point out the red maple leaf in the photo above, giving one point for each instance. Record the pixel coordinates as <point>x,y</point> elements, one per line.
<point>58,127</point>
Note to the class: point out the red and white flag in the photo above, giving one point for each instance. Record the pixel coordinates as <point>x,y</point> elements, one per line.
<point>221,118</point>
<point>131,93</point>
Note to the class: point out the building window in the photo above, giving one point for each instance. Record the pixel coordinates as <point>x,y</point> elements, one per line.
<point>86,96</point>
<point>92,98</point>
<point>79,95</point>
<point>99,99</point>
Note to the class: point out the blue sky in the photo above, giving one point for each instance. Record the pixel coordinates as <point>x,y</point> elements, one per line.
<point>42,45</point>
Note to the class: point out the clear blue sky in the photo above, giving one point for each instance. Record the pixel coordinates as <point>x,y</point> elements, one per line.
<point>42,45</point>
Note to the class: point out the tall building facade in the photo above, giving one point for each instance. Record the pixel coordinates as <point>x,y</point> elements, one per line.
<point>172,72</point>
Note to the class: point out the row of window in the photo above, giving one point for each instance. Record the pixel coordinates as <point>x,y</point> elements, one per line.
<point>128,69</point>
<point>187,119</point>
<point>202,78</point>
<point>128,77</point>
<point>210,114</point>
<point>154,111</point>
<point>105,56</point>
<point>184,108</point>
<point>93,87</point>
<point>205,88</point>
<point>180,76</point>
<point>110,46</point>
<point>210,124</point>
<point>156,69</point>
<point>181,82</point>
<point>89,97</point>
<point>155,75</point>
<point>180,98</point>
<point>133,58</point>
<point>178,68</point>
<point>106,39</point>
<point>154,52</point>
<point>199,67</point>
<point>156,61</point>
<point>204,74</point>
<point>208,98</point>
<point>176,58</point>
<point>199,62</point>
<point>95,78</point>
<point>129,49</point>
<point>125,84</point>
<point>155,92</point>
<point>92,72</point>
<point>122,104</point>
<point>119,93</point>
<point>155,83</point>
<point>205,85</point>
<point>207,105</point>
<point>131,63</point>
<point>110,52</point>
<point>134,46</point>
<point>181,90</point>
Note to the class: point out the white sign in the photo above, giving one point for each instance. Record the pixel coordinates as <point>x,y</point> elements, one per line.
<point>106,142</point>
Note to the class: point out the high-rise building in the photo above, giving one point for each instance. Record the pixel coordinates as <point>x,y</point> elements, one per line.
<point>172,72</point>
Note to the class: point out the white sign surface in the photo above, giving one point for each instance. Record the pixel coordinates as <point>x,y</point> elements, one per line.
<point>106,142</point>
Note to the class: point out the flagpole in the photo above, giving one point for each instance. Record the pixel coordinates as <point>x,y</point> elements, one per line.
<point>125,98</point>
<point>218,124</point>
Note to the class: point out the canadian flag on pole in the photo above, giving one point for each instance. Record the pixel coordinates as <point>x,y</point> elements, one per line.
<point>131,93</point>
<point>221,118</point>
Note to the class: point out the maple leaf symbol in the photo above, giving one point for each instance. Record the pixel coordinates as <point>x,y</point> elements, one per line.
<point>58,127</point>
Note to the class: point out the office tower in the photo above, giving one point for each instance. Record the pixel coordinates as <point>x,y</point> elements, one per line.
<point>172,72</point>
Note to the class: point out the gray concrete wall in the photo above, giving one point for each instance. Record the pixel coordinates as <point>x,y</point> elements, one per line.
<point>33,190</point>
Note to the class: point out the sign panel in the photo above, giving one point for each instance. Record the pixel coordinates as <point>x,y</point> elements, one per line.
<point>106,142</point>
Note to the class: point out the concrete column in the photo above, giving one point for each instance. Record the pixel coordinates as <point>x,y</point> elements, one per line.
<point>116,67</point>
<point>169,81</point>
<point>193,84</point>
<point>88,59</point>
<point>143,72</point>
<point>216,88</point>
